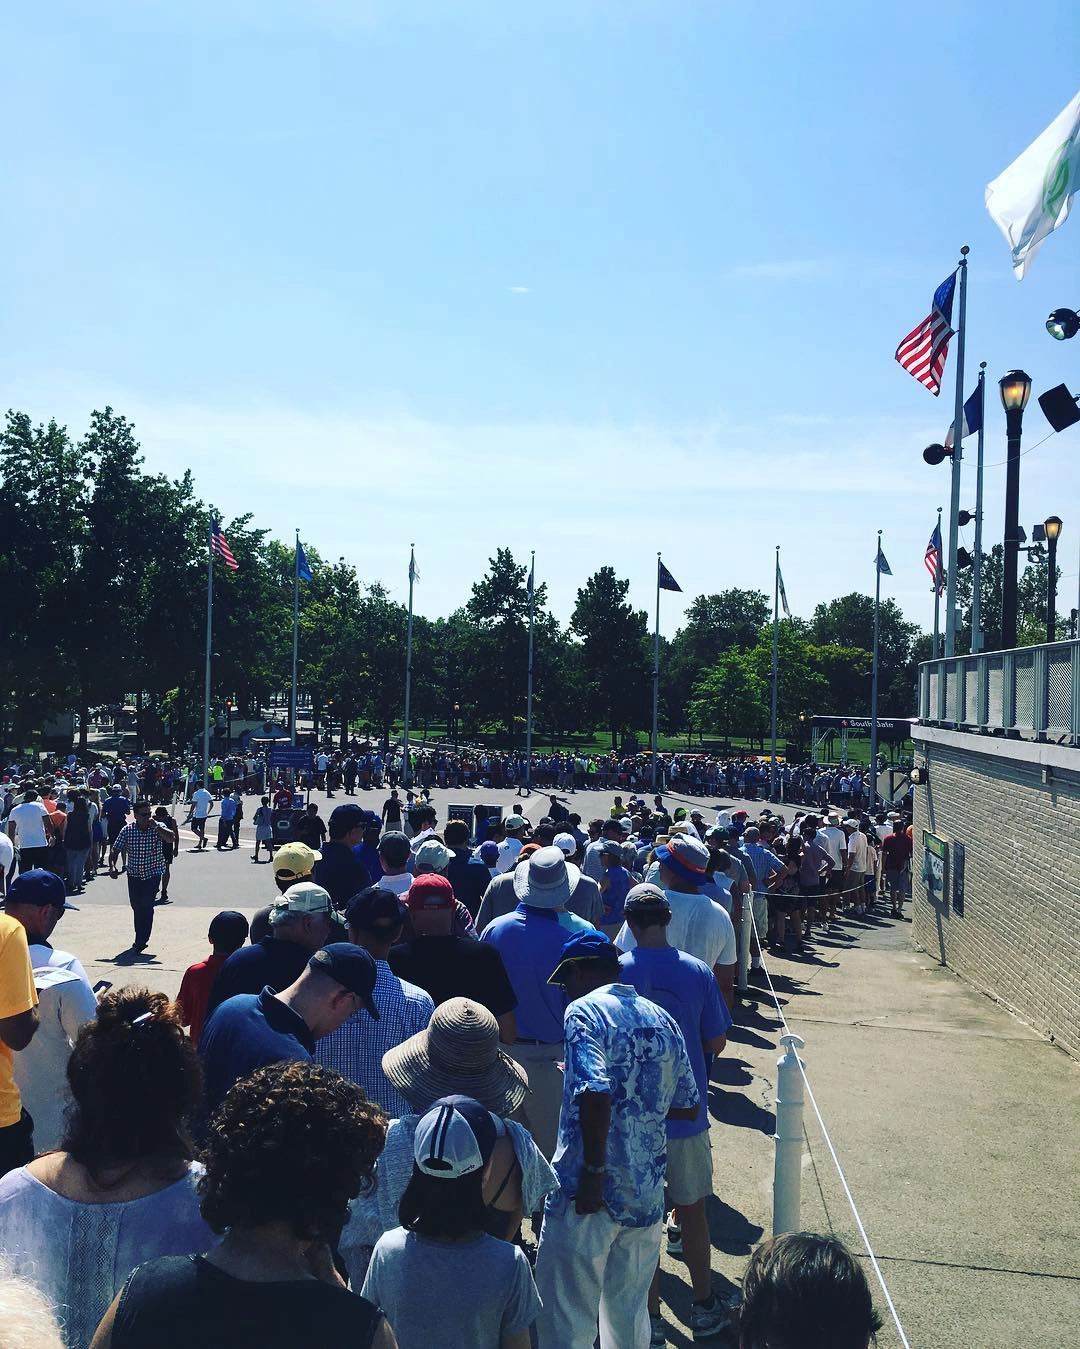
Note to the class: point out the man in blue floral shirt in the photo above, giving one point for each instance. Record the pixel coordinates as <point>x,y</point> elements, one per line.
<point>626,1073</point>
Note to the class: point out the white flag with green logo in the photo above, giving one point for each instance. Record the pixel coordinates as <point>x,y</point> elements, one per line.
<point>1032,197</point>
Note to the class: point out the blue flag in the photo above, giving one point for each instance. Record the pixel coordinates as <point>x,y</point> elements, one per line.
<point>665,580</point>
<point>303,571</point>
<point>973,418</point>
<point>882,565</point>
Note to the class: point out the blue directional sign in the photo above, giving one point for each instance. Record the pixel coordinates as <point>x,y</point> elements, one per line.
<point>291,756</point>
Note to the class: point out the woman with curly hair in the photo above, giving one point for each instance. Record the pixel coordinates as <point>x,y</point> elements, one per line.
<point>287,1149</point>
<point>121,1189</point>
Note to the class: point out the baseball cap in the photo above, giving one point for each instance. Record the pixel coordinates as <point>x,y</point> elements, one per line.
<point>375,909</point>
<point>687,857</point>
<point>304,897</point>
<point>295,859</point>
<point>432,856</point>
<point>567,843</point>
<point>513,822</point>
<point>646,898</point>
<point>611,848</point>
<point>591,945</point>
<point>395,847</point>
<point>38,886</point>
<point>351,967</point>
<point>489,853</point>
<point>430,891</point>
<point>454,1138</point>
<point>343,818</point>
<point>228,925</point>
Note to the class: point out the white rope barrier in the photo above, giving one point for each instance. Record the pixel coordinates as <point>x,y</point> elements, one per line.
<point>792,1043</point>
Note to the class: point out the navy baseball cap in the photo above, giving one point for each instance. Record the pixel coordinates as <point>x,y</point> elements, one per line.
<point>351,967</point>
<point>591,945</point>
<point>375,909</point>
<point>344,818</point>
<point>38,886</point>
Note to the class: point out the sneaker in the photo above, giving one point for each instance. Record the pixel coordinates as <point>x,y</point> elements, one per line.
<point>674,1236</point>
<point>709,1318</point>
<point>657,1332</point>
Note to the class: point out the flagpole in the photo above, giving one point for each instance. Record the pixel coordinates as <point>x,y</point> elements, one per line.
<point>209,639</point>
<point>874,679</point>
<point>656,674</point>
<point>957,456</point>
<point>775,670</point>
<point>937,602</point>
<point>529,698</point>
<point>295,635</point>
<point>976,593</point>
<point>408,668</point>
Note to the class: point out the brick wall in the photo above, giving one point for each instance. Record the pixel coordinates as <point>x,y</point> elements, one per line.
<point>1015,806</point>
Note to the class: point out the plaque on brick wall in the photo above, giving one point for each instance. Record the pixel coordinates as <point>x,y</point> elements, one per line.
<point>934,867</point>
<point>958,878</point>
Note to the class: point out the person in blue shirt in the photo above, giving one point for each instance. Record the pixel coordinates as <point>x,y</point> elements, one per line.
<point>614,885</point>
<point>339,871</point>
<point>626,1072</point>
<point>530,941</point>
<point>687,989</point>
<point>227,813</point>
<point>766,865</point>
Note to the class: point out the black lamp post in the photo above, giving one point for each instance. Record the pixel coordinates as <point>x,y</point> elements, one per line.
<point>228,725</point>
<point>1063,324</point>
<point>1052,525</point>
<point>1015,392</point>
<point>457,709</point>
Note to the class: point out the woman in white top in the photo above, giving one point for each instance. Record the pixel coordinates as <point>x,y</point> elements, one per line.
<point>122,1188</point>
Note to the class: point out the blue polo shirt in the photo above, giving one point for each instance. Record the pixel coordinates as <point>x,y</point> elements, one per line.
<point>530,942</point>
<point>227,809</point>
<point>687,990</point>
<point>243,1034</point>
<point>340,872</point>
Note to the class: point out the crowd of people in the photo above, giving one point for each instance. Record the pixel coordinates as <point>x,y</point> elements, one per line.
<point>450,1086</point>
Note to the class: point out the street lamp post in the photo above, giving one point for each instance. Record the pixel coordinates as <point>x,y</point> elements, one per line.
<point>1015,391</point>
<point>457,709</point>
<point>228,725</point>
<point>1052,525</point>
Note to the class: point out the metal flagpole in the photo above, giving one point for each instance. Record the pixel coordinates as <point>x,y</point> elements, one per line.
<point>209,638</point>
<point>529,699</point>
<point>408,668</point>
<point>874,679</point>
<point>957,456</point>
<point>976,580</point>
<point>937,602</point>
<point>295,635</point>
<point>775,671</point>
<point>656,674</point>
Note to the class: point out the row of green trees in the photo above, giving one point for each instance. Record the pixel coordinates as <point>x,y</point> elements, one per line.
<point>103,574</point>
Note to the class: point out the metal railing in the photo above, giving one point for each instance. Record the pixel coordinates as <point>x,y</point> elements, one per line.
<point>1032,692</point>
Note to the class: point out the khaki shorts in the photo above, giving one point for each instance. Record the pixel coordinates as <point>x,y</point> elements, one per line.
<point>689,1168</point>
<point>761,914</point>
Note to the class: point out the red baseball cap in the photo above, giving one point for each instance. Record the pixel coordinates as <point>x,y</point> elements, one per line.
<point>430,891</point>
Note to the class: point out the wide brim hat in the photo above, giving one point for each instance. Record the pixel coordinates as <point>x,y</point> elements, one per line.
<point>546,880</point>
<point>458,1053</point>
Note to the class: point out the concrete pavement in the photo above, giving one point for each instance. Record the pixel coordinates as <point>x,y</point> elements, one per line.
<point>955,1123</point>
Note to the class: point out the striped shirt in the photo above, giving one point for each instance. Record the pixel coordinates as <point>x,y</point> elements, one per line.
<point>356,1048</point>
<point>145,851</point>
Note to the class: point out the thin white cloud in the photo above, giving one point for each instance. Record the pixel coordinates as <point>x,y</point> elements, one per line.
<point>520,290</point>
<point>785,269</point>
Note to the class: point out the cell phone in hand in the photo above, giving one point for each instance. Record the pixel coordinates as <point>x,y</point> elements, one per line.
<point>102,986</point>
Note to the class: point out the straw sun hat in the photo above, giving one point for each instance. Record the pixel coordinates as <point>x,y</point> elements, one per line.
<point>457,1054</point>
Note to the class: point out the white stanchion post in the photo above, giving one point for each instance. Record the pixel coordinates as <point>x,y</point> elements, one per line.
<point>787,1164</point>
<point>745,926</point>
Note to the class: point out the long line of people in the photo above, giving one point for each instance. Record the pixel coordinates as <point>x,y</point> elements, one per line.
<point>445,1088</point>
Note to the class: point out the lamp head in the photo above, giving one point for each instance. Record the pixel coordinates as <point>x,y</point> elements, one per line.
<point>934,454</point>
<point>963,558</point>
<point>1052,526</point>
<point>964,518</point>
<point>1063,324</point>
<point>1015,390</point>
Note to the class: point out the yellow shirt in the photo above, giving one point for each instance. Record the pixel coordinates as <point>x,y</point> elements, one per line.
<point>17,994</point>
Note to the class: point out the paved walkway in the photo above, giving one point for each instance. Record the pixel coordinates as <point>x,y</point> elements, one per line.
<point>955,1123</point>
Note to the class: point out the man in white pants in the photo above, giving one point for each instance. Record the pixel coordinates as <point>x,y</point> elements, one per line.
<point>626,1073</point>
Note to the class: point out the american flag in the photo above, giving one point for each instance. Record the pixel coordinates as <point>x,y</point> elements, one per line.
<point>219,544</point>
<point>922,353</point>
<point>932,561</point>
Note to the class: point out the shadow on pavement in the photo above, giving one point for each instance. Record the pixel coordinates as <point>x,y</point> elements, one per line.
<point>130,957</point>
<point>732,1107</point>
<point>731,1232</point>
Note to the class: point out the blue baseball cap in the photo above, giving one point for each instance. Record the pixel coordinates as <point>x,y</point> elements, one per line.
<point>41,887</point>
<point>591,945</point>
<point>350,966</point>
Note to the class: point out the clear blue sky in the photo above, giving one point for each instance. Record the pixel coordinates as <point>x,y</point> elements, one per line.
<point>591,278</point>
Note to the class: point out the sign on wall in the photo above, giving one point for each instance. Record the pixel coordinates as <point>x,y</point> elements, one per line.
<point>935,867</point>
